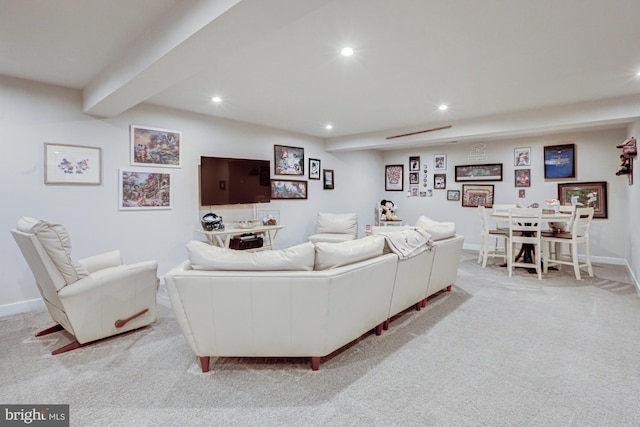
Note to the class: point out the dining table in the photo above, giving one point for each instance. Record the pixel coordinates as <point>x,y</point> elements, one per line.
<point>553,219</point>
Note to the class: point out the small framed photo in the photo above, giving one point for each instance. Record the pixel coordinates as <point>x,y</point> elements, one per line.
<point>521,193</point>
<point>477,195</point>
<point>585,194</point>
<point>559,161</point>
<point>328,179</point>
<point>439,181</point>
<point>288,189</point>
<point>314,169</point>
<point>453,195</point>
<point>394,177</point>
<point>144,190</point>
<point>155,147</point>
<point>440,162</point>
<point>414,163</point>
<point>522,156</point>
<point>414,177</point>
<point>72,164</point>
<point>522,178</point>
<point>288,160</point>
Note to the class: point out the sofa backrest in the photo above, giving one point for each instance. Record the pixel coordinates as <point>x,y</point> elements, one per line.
<point>337,223</point>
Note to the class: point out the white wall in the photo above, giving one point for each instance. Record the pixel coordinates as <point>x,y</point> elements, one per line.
<point>597,159</point>
<point>31,114</point>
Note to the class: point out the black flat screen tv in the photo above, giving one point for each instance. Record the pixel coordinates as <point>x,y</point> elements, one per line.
<point>229,181</point>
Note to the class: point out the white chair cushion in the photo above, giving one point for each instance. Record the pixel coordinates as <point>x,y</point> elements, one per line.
<point>337,223</point>
<point>332,255</point>
<point>56,242</point>
<point>203,256</point>
<point>438,230</point>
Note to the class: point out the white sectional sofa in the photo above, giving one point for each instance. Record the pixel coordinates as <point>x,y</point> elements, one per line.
<point>305,301</point>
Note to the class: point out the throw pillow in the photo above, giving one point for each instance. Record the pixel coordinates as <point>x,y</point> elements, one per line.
<point>203,256</point>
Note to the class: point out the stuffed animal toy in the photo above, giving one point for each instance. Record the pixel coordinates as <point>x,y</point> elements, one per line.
<point>388,211</point>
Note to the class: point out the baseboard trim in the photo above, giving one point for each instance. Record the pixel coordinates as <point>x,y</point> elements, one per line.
<point>22,307</point>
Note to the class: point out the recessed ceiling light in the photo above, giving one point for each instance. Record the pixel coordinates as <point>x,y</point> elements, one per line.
<point>346,51</point>
<point>443,107</point>
<point>329,127</point>
<point>216,99</point>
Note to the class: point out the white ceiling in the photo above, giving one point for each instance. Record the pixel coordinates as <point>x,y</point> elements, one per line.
<point>277,63</point>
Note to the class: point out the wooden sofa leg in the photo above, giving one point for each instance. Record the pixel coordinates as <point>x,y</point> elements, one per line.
<point>204,363</point>
<point>385,324</point>
<point>54,328</point>
<point>418,305</point>
<point>121,322</point>
<point>423,302</point>
<point>315,363</point>
<point>379,329</point>
<point>449,288</point>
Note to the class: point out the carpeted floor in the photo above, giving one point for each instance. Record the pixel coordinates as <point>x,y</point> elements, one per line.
<point>493,352</point>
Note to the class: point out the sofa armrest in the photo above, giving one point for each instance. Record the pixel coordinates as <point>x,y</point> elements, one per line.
<point>102,261</point>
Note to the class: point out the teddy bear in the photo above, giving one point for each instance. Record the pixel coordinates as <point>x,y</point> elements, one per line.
<point>388,211</point>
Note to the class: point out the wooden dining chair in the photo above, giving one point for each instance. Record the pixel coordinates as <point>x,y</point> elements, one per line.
<point>491,235</point>
<point>525,230</point>
<point>578,235</point>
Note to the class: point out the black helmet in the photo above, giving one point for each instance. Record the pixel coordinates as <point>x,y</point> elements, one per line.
<point>212,222</point>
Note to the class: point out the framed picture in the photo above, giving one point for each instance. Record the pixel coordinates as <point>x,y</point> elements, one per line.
<point>314,169</point>
<point>521,193</point>
<point>414,177</point>
<point>522,156</point>
<point>72,164</point>
<point>522,177</point>
<point>414,163</point>
<point>559,161</point>
<point>328,178</point>
<point>585,194</point>
<point>288,189</point>
<point>394,177</point>
<point>439,181</point>
<point>477,195</point>
<point>488,172</point>
<point>414,191</point>
<point>155,147</point>
<point>288,160</point>
<point>453,195</point>
<point>440,162</point>
<point>144,190</point>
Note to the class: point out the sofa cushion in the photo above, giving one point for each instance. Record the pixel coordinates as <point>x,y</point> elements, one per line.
<point>337,223</point>
<point>331,237</point>
<point>203,256</point>
<point>438,230</point>
<point>56,242</point>
<point>332,255</point>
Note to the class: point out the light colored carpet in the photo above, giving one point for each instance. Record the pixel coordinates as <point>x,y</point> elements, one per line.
<point>493,352</point>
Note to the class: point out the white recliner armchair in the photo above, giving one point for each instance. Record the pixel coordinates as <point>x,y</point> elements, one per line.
<point>334,228</point>
<point>92,298</point>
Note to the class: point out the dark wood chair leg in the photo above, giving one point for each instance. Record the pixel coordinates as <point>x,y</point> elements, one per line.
<point>204,363</point>
<point>54,328</point>
<point>315,363</point>
<point>71,346</point>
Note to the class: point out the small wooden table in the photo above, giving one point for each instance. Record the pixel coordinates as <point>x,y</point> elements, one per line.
<point>222,238</point>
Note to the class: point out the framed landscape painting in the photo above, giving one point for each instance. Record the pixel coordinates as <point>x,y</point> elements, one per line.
<point>144,190</point>
<point>585,194</point>
<point>155,147</point>
<point>288,189</point>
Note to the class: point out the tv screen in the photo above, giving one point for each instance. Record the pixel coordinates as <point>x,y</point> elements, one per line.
<point>228,181</point>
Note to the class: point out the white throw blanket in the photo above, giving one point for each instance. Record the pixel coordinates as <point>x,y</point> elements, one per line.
<point>408,242</point>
